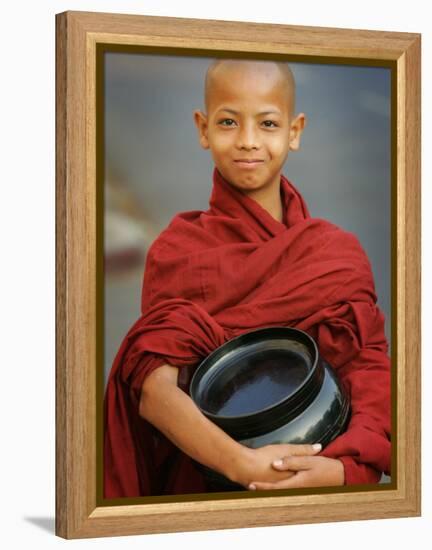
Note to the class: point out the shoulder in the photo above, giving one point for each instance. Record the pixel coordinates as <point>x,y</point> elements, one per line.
<point>336,234</point>
<point>170,257</point>
<point>340,245</point>
<point>350,255</point>
<point>185,232</point>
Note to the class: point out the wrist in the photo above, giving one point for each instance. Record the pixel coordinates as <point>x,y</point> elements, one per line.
<point>341,471</point>
<point>240,468</point>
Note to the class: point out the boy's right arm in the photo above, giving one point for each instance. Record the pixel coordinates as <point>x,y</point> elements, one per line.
<point>173,412</point>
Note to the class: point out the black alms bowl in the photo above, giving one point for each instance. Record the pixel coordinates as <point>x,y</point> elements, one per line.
<point>270,386</point>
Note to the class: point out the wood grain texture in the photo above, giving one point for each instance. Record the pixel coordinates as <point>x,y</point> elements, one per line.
<point>238,36</point>
<point>412,261</point>
<point>77,512</point>
<point>61,255</point>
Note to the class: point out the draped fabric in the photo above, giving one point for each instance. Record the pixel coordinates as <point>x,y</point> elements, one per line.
<point>213,275</point>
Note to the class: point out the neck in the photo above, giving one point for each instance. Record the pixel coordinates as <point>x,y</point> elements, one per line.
<point>270,200</point>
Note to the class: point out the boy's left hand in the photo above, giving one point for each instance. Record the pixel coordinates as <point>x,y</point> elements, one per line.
<point>310,471</point>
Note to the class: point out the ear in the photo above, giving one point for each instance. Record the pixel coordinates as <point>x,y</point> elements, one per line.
<point>200,120</point>
<point>297,126</point>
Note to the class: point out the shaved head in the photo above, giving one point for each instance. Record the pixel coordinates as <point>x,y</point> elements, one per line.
<point>249,125</point>
<point>223,68</point>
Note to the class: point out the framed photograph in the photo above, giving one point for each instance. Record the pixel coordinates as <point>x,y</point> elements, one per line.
<point>133,157</point>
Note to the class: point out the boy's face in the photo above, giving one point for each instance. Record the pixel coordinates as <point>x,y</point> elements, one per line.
<point>249,127</point>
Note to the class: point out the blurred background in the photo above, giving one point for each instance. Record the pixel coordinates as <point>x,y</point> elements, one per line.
<point>154,166</point>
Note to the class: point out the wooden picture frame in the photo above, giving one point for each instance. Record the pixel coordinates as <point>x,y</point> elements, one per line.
<point>81,37</point>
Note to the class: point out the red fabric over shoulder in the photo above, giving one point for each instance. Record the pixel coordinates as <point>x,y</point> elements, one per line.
<point>213,275</point>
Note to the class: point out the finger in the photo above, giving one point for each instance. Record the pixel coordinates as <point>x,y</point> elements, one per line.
<point>300,450</point>
<point>305,450</point>
<point>261,486</point>
<point>293,463</point>
<point>290,483</point>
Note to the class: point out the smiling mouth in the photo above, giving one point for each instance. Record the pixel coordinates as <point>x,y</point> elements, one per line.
<point>248,163</point>
<point>249,160</point>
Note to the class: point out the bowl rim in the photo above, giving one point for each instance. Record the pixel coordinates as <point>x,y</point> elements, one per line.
<point>315,362</point>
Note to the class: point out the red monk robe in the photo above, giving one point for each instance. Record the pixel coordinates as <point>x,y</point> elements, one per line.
<point>213,275</point>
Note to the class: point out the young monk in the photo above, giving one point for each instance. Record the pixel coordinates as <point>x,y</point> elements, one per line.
<point>255,258</point>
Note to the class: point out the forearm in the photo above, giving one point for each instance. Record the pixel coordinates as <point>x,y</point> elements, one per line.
<point>174,413</point>
<point>365,447</point>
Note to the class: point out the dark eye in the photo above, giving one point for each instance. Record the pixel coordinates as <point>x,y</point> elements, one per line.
<point>227,122</point>
<point>270,124</point>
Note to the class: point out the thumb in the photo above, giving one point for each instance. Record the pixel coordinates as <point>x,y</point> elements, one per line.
<point>293,463</point>
<point>301,450</point>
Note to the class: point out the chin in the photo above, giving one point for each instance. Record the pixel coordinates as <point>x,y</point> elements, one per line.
<point>247,187</point>
<point>247,183</point>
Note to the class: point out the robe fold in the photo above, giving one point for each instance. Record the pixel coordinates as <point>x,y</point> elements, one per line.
<point>215,274</point>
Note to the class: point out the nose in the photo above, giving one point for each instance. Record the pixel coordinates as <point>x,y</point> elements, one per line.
<point>247,138</point>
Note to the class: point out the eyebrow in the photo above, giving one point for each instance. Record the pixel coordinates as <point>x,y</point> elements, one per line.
<point>233,112</point>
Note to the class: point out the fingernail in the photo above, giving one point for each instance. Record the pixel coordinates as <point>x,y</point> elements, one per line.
<point>317,446</point>
<point>278,462</point>
<point>252,487</point>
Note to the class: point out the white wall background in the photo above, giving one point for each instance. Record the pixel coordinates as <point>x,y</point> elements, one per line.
<point>27,274</point>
